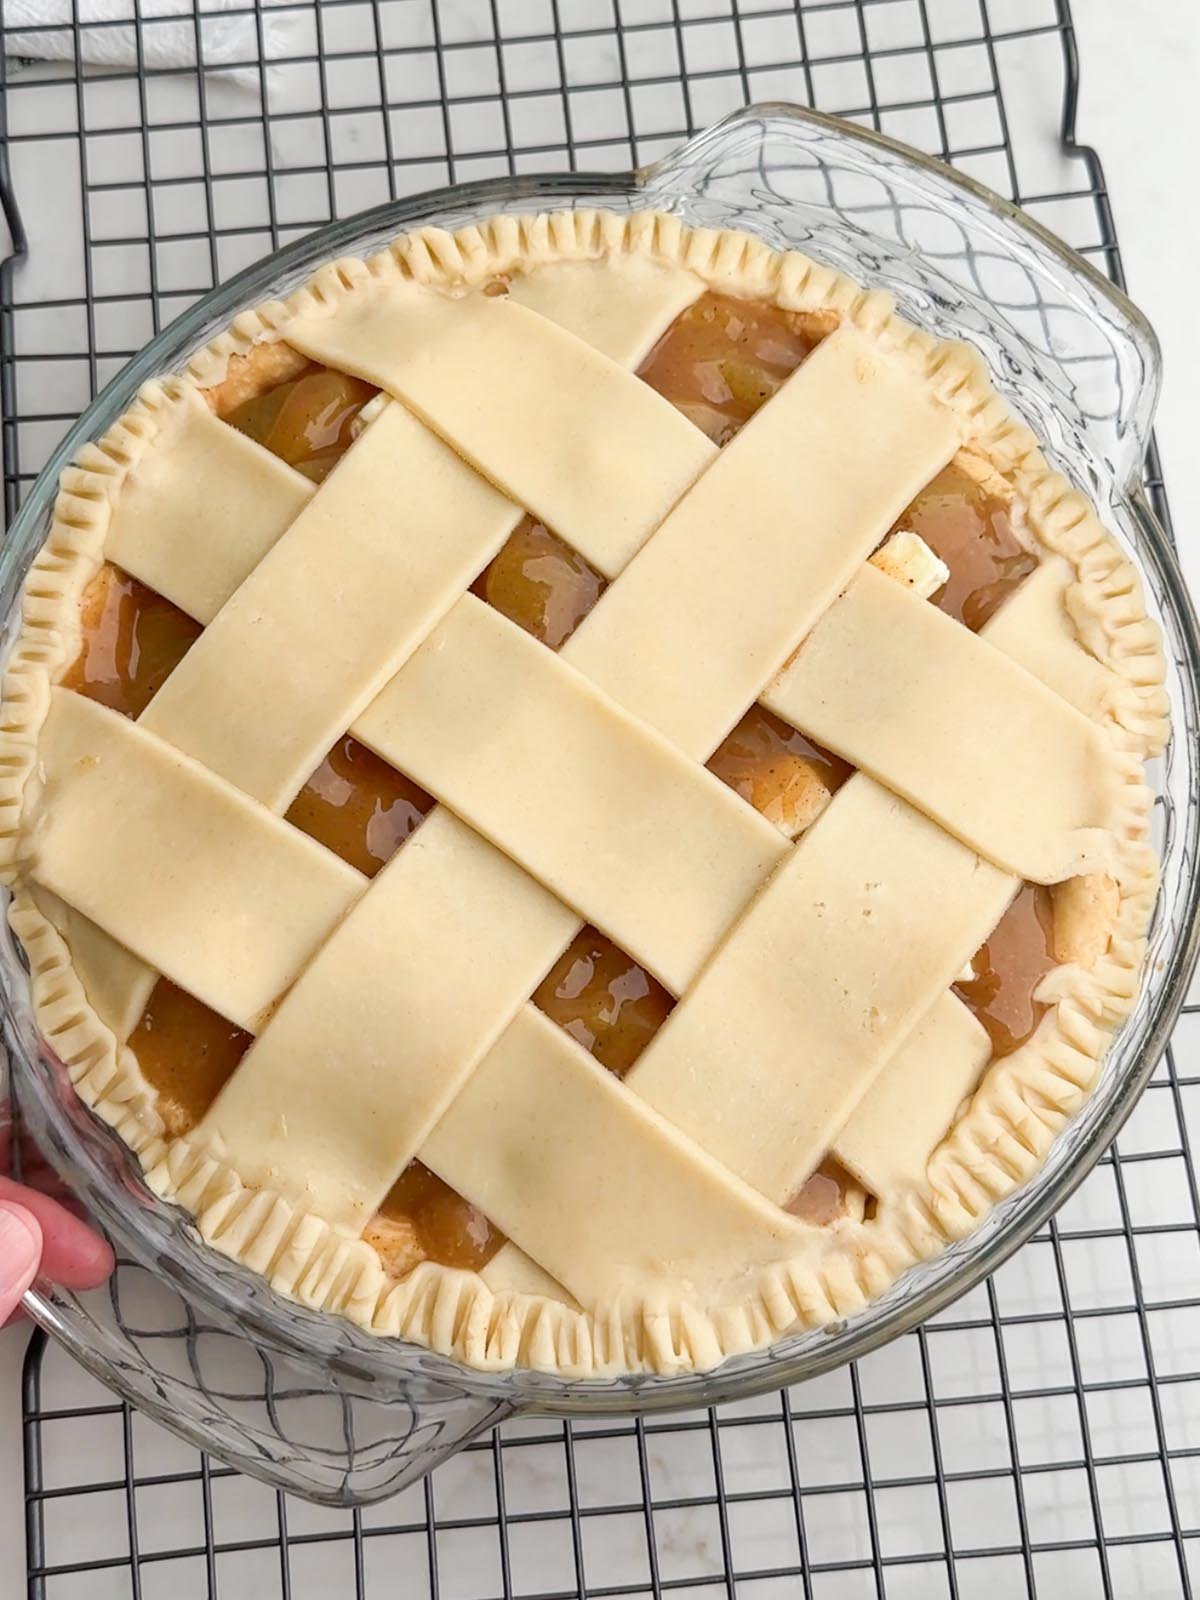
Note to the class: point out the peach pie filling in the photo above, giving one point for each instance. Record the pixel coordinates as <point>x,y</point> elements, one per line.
<point>718,362</point>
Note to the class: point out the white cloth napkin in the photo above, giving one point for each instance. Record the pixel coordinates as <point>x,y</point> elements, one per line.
<point>168,29</point>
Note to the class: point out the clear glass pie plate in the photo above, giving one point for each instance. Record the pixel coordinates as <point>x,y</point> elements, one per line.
<point>308,1402</point>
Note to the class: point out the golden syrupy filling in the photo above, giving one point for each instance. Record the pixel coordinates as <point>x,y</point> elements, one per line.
<point>424,1219</point>
<point>830,1194</point>
<point>971,530</point>
<point>540,583</point>
<point>1009,967</point>
<point>308,422</point>
<point>132,641</point>
<point>719,362</point>
<point>358,806</point>
<point>724,358</point>
<point>187,1051</point>
<point>604,999</point>
<point>778,771</point>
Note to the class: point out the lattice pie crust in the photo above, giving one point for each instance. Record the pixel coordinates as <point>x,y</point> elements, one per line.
<point>392,1019</point>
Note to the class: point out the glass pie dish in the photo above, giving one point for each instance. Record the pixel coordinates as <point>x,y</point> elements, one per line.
<point>308,1402</point>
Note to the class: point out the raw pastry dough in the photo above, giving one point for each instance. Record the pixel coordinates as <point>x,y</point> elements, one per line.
<point>393,1018</point>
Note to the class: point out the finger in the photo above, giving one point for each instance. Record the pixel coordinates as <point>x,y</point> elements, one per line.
<point>73,1255</point>
<point>20,1252</point>
<point>37,1173</point>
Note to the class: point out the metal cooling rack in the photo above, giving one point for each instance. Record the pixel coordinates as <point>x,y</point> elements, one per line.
<point>1043,1435</point>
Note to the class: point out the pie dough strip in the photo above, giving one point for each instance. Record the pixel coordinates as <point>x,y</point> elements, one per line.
<point>911,435</point>
<point>397,532</point>
<point>1035,628</point>
<point>956,727</point>
<point>621,305</point>
<point>116,983</point>
<point>834,964</point>
<point>199,881</point>
<point>540,1121</point>
<point>712,607</point>
<point>180,526</point>
<point>202,508</point>
<point>392,1013</point>
<point>850,517</point>
<point>613,819</point>
<point>500,1142</point>
<point>899,1122</point>
<point>592,451</point>
<point>196,548</point>
<point>303,670</point>
<point>892,1132</point>
<point>230,902</point>
<point>230,1119</point>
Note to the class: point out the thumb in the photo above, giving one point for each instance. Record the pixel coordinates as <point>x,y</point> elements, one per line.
<point>20,1252</point>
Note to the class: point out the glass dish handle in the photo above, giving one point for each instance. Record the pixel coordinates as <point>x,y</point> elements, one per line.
<point>289,1402</point>
<point>1073,353</point>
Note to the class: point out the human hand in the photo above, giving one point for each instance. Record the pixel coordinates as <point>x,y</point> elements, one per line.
<point>40,1237</point>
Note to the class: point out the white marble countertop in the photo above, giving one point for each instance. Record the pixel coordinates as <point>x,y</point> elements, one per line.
<point>1150,173</point>
<point>1151,177</point>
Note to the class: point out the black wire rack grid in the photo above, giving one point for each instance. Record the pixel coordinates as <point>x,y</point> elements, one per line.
<point>1042,1437</point>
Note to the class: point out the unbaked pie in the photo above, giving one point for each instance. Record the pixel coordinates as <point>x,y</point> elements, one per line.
<point>575,791</point>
